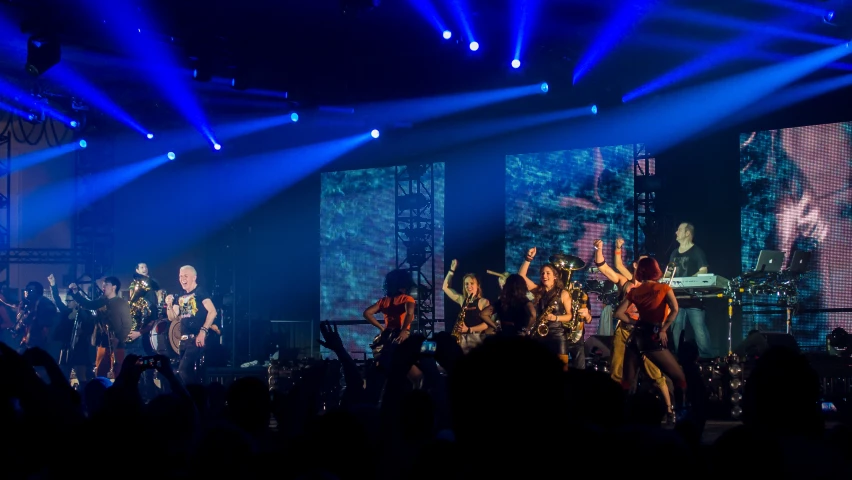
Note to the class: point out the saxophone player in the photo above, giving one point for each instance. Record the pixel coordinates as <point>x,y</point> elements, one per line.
<point>475,315</point>
<point>553,302</point>
<point>113,317</point>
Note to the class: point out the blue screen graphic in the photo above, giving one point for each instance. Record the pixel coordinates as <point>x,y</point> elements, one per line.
<point>795,193</point>
<point>562,201</point>
<point>358,247</point>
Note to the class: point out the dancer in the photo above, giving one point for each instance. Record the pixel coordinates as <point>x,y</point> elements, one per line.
<point>397,308</point>
<point>657,308</point>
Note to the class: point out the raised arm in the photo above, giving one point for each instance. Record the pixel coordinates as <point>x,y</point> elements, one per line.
<point>608,272</point>
<point>454,295</point>
<point>85,302</point>
<point>370,316</point>
<point>525,267</point>
<point>619,262</point>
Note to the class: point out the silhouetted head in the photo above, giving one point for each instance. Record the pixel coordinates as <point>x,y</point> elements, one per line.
<point>514,291</point>
<point>647,269</point>
<point>249,404</point>
<point>398,281</point>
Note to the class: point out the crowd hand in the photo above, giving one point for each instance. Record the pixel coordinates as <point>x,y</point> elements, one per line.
<point>163,365</point>
<point>51,280</point>
<point>330,337</point>
<point>131,370</point>
<point>619,242</point>
<point>454,264</point>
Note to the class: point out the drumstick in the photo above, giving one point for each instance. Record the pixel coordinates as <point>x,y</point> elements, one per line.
<point>491,272</point>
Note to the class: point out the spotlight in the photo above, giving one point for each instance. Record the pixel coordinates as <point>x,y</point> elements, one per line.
<point>83,144</point>
<point>516,63</point>
<point>828,17</point>
<point>42,53</point>
<point>150,136</point>
<point>74,124</point>
<point>545,87</point>
<point>447,34</point>
<point>294,117</point>
<point>474,46</point>
<point>202,74</point>
<point>239,83</point>
<point>374,134</point>
<point>170,155</point>
<point>594,109</point>
<point>216,146</point>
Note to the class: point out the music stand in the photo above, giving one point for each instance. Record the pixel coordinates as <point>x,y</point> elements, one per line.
<point>799,262</point>
<point>769,261</point>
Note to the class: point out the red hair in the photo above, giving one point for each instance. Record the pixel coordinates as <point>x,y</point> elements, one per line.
<point>647,269</point>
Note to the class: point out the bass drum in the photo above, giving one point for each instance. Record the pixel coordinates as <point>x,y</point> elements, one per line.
<point>174,337</point>
<point>158,338</point>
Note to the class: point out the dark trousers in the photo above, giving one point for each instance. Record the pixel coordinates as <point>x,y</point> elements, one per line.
<point>577,353</point>
<point>191,362</point>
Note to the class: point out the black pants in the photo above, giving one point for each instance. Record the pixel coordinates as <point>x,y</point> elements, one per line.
<point>557,341</point>
<point>191,362</point>
<point>577,353</point>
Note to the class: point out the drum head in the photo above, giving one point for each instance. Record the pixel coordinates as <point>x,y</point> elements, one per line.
<point>174,336</point>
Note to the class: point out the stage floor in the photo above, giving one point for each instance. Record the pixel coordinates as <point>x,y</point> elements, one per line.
<point>715,428</point>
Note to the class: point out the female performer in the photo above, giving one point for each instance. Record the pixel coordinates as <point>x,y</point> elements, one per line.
<point>477,310</point>
<point>551,299</point>
<point>514,310</point>
<point>657,308</point>
<point>397,308</point>
<point>623,278</point>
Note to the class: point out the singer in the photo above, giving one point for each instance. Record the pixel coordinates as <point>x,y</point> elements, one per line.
<point>477,310</point>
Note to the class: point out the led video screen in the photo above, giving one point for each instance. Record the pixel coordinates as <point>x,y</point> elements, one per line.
<point>560,202</point>
<point>795,194</point>
<point>359,245</point>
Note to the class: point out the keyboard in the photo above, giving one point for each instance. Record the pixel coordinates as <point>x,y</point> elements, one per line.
<point>703,283</point>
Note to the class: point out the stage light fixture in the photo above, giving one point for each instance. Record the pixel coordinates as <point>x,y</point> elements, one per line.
<point>374,134</point>
<point>294,117</point>
<point>43,52</point>
<point>74,124</point>
<point>83,144</point>
<point>474,46</point>
<point>447,34</point>
<point>202,74</point>
<point>217,147</point>
<point>545,87</point>
<point>239,83</point>
<point>829,17</point>
<point>170,155</point>
<point>150,136</point>
<point>516,63</point>
<point>594,109</point>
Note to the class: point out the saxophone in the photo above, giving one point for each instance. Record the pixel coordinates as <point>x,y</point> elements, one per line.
<point>541,328</point>
<point>579,299</point>
<point>457,328</point>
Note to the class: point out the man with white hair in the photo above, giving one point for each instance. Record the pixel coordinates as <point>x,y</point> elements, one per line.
<point>196,313</point>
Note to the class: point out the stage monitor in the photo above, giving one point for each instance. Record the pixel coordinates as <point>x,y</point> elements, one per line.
<point>795,191</point>
<point>560,202</point>
<point>359,244</point>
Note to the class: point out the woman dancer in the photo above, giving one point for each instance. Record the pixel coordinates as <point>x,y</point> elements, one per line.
<point>657,308</point>
<point>514,310</point>
<point>477,310</point>
<point>397,308</point>
<point>550,301</point>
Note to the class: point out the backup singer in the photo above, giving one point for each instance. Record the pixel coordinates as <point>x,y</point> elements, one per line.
<point>690,261</point>
<point>112,325</point>
<point>35,317</point>
<point>513,309</point>
<point>551,292</point>
<point>477,317</point>
<point>396,307</point>
<point>622,331</point>
<point>196,313</point>
<point>75,344</point>
<point>657,308</point>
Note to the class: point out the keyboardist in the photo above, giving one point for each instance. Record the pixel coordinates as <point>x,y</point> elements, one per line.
<point>689,259</point>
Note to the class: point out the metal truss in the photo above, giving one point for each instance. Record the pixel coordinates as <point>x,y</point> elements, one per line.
<point>57,256</point>
<point>5,207</point>
<point>646,221</point>
<point>415,237</point>
<point>94,221</point>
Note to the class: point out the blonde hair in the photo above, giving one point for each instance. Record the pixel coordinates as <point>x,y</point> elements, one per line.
<point>190,269</point>
<point>473,277</point>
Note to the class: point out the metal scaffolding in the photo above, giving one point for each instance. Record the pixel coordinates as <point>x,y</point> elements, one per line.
<point>94,220</point>
<point>415,237</point>
<point>5,207</point>
<point>646,221</point>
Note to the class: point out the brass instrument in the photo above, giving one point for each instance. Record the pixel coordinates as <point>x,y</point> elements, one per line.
<point>541,328</point>
<point>669,274</point>
<point>457,328</point>
<point>579,299</point>
<point>140,307</point>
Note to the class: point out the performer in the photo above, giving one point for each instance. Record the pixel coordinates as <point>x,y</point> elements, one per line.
<point>196,313</point>
<point>689,259</point>
<point>623,330</point>
<point>74,330</point>
<point>550,294</point>
<point>144,310</point>
<point>513,310</point>
<point>112,325</point>
<point>36,315</point>
<point>477,310</point>
<point>397,309</point>
<point>657,308</point>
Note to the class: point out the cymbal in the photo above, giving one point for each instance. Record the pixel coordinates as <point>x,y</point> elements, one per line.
<point>567,262</point>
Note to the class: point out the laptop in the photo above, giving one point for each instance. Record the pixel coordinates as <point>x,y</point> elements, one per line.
<point>799,262</point>
<point>769,261</point>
